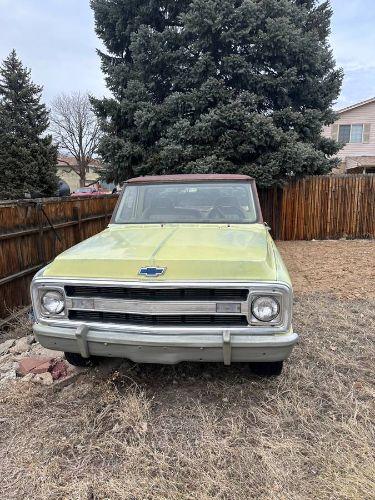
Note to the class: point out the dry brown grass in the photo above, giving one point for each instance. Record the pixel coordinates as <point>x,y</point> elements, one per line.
<point>207,431</point>
<point>343,267</point>
<point>19,326</point>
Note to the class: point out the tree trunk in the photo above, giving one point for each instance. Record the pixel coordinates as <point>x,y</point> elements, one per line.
<point>82,174</point>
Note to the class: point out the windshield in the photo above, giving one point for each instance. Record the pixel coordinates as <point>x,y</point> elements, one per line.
<point>206,202</point>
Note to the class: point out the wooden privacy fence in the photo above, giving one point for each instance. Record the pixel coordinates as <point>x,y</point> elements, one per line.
<point>321,207</point>
<point>33,232</point>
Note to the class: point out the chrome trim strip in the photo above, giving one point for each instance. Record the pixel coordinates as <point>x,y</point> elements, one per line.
<point>160,284</point>
<point>149,307</point>
<point>160,330</point>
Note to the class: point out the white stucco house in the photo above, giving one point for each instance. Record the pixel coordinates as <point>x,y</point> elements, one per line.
<point>355,128</point>
<point>66,171</point>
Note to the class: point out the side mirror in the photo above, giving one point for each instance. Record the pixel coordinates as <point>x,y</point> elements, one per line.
<point>267,226</point>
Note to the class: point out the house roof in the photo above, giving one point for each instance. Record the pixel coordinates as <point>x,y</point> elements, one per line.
<point>357,105</point>
<point>188,178</point>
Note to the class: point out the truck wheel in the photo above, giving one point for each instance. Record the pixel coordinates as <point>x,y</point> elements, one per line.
<point>77,360</point>
<point>270,369</point>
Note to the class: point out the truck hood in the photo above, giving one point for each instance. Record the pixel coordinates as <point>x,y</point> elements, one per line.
<point>187,251</point>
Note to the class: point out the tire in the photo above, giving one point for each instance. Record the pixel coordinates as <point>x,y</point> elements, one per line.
<point>270,369</point>
<point>77,360</point>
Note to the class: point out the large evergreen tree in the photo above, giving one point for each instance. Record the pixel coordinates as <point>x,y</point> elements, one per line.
<point>217,86</point>
<point>27,156</point>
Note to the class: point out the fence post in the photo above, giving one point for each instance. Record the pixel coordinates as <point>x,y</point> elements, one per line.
<point>40,242</point>
<point>77,217</point>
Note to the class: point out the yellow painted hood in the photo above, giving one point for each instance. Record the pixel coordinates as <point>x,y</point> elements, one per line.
<point>187,251</point>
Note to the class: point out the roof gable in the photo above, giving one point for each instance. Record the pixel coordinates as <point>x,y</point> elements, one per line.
<point>357,105</point>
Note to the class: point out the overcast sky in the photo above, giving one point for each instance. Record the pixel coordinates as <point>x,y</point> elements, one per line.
<point>56,39</point>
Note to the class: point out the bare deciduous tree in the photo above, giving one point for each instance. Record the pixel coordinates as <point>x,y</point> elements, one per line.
<point>75,129</point>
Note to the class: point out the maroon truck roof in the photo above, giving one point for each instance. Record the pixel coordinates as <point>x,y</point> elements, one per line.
<point>188,178</point>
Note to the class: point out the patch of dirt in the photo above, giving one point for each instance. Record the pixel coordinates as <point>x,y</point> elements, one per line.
<point>343,267</point>
<point>202,431</point>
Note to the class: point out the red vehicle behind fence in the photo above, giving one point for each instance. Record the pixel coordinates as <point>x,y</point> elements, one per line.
<point>90,191</point>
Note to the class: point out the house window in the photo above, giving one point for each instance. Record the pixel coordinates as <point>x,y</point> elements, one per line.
<point>356,133</point>
<point>350,133</point>
<point>344,133</point>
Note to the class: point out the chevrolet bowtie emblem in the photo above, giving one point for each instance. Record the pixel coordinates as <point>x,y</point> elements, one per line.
<point>152,272</point>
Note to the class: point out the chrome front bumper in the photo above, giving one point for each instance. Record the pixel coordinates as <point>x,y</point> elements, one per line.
<point>220,345</point>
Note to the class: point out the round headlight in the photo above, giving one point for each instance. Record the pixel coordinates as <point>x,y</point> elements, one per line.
<point>265,308</point>
<point>53,302</point>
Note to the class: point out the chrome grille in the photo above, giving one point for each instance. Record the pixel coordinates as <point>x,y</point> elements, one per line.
<point>158,305</point>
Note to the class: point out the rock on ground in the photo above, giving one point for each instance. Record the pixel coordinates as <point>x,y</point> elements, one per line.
<point>43,378</point>
<point>22,345</point>
<point>27,361</point>
<point>37,364</point>
<point>39,350</point>
<point>5,346</point>
<point>7,365</point>
<point>6,377</point>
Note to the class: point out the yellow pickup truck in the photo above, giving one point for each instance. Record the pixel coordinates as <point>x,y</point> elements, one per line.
<point>185,271</point>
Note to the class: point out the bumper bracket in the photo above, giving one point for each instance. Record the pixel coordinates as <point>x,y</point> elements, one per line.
<point>227,347</point>
<point>81,336</point>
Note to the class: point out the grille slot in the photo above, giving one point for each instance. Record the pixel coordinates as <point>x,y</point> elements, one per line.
<point>174,294</point>
<point>172,320</point>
